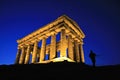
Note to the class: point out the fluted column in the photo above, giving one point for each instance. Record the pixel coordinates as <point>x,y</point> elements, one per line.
<point>22,57</point>
<point>81,53</point>
<point>77,51</point>
<point>27,55</point>
<point>53,46</point>
<point>34,55</point>
<point>70,47</point>
<point>43,48</point>
<point>18,56</point>
<point>63,44</point>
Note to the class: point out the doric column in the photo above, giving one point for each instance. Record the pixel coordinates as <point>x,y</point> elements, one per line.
<point>77,51</point>
<point>70,47</point>
<point>18,56</point>
<point>27,55</point>
<point>81,53</point>
<point>34,55</point>
<point>63,44</point>
<point>53,46</point>
<point>22,57</point>
<point>43,48</point>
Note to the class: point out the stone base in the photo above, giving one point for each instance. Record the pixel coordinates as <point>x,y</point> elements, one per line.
<point>59,59</point>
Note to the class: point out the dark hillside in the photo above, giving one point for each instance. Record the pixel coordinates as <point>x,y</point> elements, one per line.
<point>59,71</point>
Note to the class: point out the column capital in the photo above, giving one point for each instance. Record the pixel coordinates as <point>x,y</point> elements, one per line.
<point>63,28</point>
<point>44,36</point>
<point>76,39</point>
<point>22,46</point>
<point>53,33</point>
<point>71,38</point>
<point>81,43</point>
<point>36,40</point>
<point>28,44</point>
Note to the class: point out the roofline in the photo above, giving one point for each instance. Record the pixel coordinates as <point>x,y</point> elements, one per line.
<point>59,19</point>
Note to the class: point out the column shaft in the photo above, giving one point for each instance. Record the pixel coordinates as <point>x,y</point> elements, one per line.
<point>34,55</point>
<point>43,48</point>
<point>70,48</point>
<point>27,55</point>
<point>22,57</point>
<point>81,54</point>
<point>18,56</point>
<point>53,46</point>
<point>63,44</point>
<point>77,51</point>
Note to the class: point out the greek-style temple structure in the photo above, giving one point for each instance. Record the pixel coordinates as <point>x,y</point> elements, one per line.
<point>69,47</point>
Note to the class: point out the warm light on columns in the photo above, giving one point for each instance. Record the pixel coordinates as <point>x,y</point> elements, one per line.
<point>18,56</point>
<point>63,44</point>
<point>53,46</point>
<point>43,50</point>
<point>22,56</point>
<point>34,55</point>
<point>65,26</point>
<point>70,47</point>
<point>82,53</point>
<point>77,51</point>
<point>27,55</point>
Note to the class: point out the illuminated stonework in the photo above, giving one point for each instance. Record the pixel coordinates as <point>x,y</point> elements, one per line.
<point>70,44</point>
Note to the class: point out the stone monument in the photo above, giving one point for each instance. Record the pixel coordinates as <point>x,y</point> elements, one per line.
<point>70,45</point>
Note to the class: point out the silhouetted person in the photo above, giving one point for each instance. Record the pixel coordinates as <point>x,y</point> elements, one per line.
<point>92,56</point>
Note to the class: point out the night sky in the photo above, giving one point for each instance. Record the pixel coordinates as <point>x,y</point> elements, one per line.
<point>98,19</point>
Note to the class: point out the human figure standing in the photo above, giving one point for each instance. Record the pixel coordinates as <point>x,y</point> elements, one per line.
<point>92,56</point>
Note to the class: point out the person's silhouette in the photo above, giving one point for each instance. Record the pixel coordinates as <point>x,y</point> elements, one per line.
<point>92,56</point>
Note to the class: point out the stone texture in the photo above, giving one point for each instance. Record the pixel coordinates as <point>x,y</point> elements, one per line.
<point>70,37</point>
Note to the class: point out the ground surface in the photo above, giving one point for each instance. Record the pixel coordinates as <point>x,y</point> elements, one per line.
<point>59,71</point>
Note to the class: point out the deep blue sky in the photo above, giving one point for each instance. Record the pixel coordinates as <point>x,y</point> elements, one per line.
<point>99,20</point>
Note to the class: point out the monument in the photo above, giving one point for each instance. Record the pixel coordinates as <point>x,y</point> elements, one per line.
<point>70,45</point>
